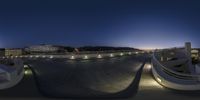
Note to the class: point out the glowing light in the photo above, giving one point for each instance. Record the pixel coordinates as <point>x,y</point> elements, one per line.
<point>72,57</point>
<point>27,72</point>
<point>136,52</point>
<point>148,66</point>
<point>37,56</point>
<point>21,56</point>
<point>121,54</point>
<point>31,56</point>
<point>43,56</point>
<point>51,57</point>
<point>25,66</point>
<point>149,83</point>
<point>99,56</point>
<point>158,79</point>
<point>3,57</point>
<point>129,53</point>
<point>16,56</point>
<point>85,57</point>
<point>111,55</point>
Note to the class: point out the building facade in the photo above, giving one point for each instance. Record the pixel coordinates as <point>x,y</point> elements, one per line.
<point>13,52</point>
<point>45,49</point>
<point>2,52</point>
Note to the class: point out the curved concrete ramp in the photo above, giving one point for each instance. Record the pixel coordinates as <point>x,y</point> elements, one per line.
<point>173,77</point>
<point>11,73</point>
<point>113,77</point>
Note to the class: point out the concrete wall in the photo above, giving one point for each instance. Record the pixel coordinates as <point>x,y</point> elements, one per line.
<point>172,79</point>
<point>79,56</point>
<point>13,77</point>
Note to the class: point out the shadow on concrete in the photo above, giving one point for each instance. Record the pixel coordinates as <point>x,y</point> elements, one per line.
<point>130,91</point>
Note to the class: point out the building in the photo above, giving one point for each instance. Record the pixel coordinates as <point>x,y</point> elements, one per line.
<point>45,49</point>
<point>195,54</point>
<point>2,52</point>
<point>188,49</point>
<point>13,52</point>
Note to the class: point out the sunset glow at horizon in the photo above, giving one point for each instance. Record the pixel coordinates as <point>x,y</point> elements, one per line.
<point>126,23</point>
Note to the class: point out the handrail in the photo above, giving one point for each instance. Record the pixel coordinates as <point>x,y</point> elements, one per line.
<point>173,73</point>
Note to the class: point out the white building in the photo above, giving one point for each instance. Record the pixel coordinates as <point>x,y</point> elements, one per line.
<point>44,49</point>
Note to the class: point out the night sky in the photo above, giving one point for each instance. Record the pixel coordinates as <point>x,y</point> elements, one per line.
<point>133,23</point>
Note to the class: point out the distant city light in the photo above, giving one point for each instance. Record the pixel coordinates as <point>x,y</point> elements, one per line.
<point>51,57</point>
<point>85,57</point>
<point>99,56</point>
<point>111,55</point>
<point>72,57</point>
<point>129,53</point>
<point>121,54</point>
<point>37,56</point>
<point>25,66</point>
<point>43,56</point>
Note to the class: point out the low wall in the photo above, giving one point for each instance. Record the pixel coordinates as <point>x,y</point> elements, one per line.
<point>77,56</point>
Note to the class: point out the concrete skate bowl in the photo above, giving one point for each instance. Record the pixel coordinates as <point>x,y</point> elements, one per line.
<point>178,78</point>
<point>98,78</point>
<point>11,73</point>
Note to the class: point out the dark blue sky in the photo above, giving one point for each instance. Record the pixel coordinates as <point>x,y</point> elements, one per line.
<point>134,23</point>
